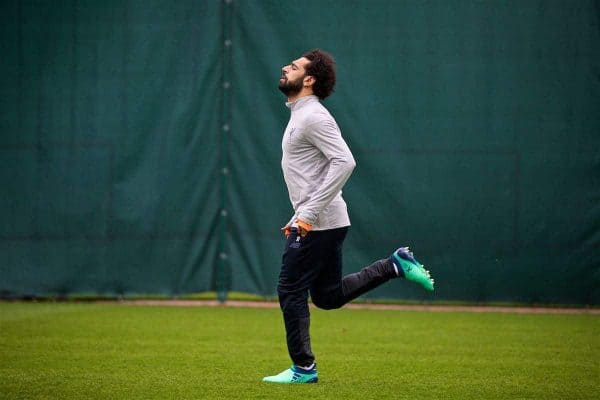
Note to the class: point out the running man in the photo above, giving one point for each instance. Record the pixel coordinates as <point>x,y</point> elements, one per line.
<point>316,164</point>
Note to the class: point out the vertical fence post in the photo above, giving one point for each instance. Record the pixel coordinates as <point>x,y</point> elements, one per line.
<point>223,262</point>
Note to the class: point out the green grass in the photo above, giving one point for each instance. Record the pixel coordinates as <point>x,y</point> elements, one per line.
<point>99,351</point>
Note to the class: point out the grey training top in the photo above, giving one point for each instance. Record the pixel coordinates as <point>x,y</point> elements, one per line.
<point>316,163</point>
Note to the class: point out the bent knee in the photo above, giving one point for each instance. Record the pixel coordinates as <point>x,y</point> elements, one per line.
<point>326,304</point>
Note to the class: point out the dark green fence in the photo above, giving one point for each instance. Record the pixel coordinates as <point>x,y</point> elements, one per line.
<point>140,143</point>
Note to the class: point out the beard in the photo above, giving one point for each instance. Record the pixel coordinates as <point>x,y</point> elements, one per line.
<point>290,88</point>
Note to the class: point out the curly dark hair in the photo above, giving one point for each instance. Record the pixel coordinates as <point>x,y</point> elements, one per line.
<point>322,68</point>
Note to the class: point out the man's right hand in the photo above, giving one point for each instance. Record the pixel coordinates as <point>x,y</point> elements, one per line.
<point>286,230</point>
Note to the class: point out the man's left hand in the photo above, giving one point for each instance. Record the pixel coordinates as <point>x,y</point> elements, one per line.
<point>303,227</point>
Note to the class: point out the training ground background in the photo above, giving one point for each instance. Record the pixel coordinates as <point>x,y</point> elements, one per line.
<point>133,351</point>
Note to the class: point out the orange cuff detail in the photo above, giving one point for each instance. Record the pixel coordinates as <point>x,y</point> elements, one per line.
<point>304,225</point>
<point>287,231</point>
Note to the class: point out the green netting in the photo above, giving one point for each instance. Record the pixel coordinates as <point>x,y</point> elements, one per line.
<point>141,141</point>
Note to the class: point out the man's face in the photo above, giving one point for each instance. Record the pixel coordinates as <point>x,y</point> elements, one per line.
<point>292,77</point>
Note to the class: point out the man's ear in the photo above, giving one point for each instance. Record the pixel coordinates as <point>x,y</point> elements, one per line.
<point>309,81</point>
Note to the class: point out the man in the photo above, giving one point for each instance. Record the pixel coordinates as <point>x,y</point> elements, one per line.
<point>316,163</point>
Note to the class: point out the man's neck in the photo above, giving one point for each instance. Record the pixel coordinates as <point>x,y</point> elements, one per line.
<point>300,94</point>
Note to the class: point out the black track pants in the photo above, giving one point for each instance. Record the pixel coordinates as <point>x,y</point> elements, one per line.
<point>314,264</point>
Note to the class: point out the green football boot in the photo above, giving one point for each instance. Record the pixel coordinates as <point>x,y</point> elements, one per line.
<point>294,375</point>
<point>412,270</point>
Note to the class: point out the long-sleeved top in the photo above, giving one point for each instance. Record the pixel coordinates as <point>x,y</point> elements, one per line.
<point>316,164</point>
